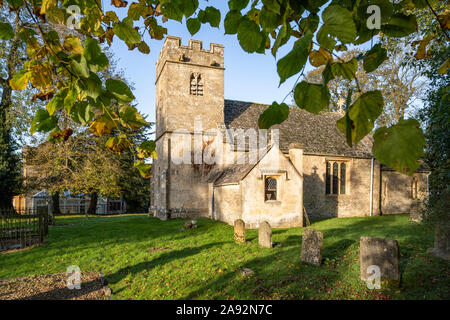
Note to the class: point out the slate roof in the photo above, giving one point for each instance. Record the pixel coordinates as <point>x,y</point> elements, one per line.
<point>233,174</point>
<point>317,134</point>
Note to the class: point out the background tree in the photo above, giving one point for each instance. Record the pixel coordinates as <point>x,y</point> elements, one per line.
<point>401,84</point>
<point>10,57</point>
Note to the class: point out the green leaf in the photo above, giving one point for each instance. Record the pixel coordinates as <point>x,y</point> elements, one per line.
<point>269,20</point>
<point>131,118</point>
<point>193,25</point>
<point>57,102</point>
<point>96,59</point>
<point>361,117</point>
<point>346,69</point>
<point>310,23</point>
<point>6,31</point>
<point>374,57</point>
<point>43,122</point>
<point>274,114</point>
<point>249,35</point>
<point>92,86</point>
<point>294,61</point>
<point>70,99</point>
<point>79,65</point>
<point>135,10</point>
<point>212,15</point>
<point>125,31</point>
<point>232,21</point>
<point>172,10</point>
<point>400,146</point>
<point>238,4</point>
<point>282,38</point>
<point>324,39</point>
<point>56,15</point>
<point>272,5</point>
<point>312,97</point>
<point>144,169</point>
<point>339,23</point>
<point>189,7</point>
<point>119,89</point>
<point>400,25</point>
<point>81,113</point>
<point>147,149</point>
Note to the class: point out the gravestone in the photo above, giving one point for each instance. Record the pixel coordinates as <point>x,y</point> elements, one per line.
<point>383,253</point>
<point>312,246</point>
<point>441,242</point>
<point>265,235</point>
<point>239,231</point>
<point>415,212</point>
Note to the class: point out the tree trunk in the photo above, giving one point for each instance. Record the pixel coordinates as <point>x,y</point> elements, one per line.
<point>92,204</point>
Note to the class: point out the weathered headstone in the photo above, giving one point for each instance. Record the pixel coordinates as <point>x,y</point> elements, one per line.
<point>441,242</point>
<point>312,246</point>
<point>265,235</point>
<point>239,231</point>
<point>383,253</point>
<point>415,212</point>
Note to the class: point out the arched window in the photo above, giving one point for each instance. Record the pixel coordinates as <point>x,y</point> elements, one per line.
<point>270,192</point>
<point>336,177</point>
<point>328,179</point>
<point>342,186</point>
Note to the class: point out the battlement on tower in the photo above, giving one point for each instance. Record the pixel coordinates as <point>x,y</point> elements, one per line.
<point>193,54</point>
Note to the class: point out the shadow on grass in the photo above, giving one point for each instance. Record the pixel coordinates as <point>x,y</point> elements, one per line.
<point>162,259</point>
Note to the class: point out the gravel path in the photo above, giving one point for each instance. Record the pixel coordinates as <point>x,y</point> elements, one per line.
<point>51,287</point>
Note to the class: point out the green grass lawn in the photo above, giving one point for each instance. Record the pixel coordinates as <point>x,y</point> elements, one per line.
<point>205,263</point>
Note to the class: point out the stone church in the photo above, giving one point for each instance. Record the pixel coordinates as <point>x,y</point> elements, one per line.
<point>302,165</point>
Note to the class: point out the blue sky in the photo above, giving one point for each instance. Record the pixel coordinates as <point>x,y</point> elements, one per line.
<point>248,77</point>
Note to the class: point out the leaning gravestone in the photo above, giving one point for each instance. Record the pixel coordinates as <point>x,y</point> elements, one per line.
<point>265,235</point>
<point>312,246</point>
<point>239,231</point>
<point>383,253</point>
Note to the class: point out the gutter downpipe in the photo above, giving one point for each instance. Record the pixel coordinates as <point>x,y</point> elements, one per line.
<point>371,187</point>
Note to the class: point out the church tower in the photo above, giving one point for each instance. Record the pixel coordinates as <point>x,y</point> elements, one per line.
<point>189,90</point>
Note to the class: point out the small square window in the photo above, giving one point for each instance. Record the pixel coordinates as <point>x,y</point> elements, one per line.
<point>270,189</point>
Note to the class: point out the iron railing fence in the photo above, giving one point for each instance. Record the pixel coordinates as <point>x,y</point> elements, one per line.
<point>21,229</point>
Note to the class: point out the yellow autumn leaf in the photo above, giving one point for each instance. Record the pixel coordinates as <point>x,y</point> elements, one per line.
<point>319,57</point>
<point>47,4</point>
<point>41,76</point>
<point>20,80</point>
<point>101,126</point>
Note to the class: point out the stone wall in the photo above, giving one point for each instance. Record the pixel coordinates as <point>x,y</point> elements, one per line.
<point>181,189</point>
<point>399,191</point>
<point>227,203</point>
<point>356,201</point>
<point>286,210</point>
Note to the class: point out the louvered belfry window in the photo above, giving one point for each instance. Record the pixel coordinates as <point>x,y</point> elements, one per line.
<point>196,84</point>
<point>270,192</point>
